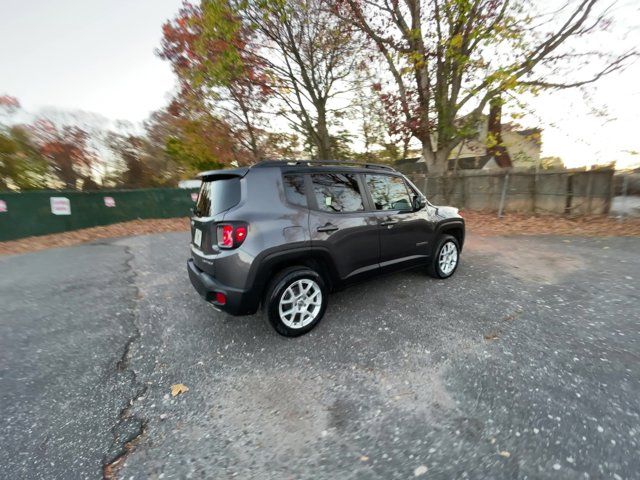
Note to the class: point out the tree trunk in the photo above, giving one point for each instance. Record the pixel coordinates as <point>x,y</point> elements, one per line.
<point>323,140</point>
<point>253,141</point>
<point>497,148</point>
<point>436,161</point>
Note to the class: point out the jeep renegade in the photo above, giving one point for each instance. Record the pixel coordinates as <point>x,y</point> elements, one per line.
<point>284,234</point>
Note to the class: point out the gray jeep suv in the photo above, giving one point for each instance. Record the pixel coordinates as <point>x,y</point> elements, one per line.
<point>284,234</point>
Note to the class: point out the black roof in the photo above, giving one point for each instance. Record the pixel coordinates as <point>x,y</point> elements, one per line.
<point>242,171</point>
<point>469,163</point>
<point>321,163</point>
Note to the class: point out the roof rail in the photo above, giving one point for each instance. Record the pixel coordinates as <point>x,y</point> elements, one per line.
<point>273,163</point>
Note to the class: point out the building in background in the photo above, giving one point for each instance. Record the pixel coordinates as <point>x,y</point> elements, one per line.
<point>514,148</point>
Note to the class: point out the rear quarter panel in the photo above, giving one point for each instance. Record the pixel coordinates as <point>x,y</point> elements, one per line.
<point>273,226</point>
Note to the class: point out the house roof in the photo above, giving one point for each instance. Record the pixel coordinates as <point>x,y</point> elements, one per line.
<point>469,163</point>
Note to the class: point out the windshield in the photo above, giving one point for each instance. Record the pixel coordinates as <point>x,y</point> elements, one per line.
<point>216,196</point>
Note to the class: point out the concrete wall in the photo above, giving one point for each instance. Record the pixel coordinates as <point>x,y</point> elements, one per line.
<point>572,192</point>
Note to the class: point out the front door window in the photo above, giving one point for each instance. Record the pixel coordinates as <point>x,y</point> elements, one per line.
<point>389,192</point>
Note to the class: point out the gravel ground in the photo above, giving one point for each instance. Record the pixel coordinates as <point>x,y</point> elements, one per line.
<point>477,222</point>
<point>523,365</point>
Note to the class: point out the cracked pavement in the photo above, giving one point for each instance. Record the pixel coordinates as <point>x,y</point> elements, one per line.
<point>523,365</point>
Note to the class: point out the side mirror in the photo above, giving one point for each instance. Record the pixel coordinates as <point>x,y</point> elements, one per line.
<point>419,202</point>
<point>402,205</point>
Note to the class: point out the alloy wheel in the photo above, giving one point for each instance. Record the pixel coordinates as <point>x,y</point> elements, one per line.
<point>300,303</point>
<point>448,258</point>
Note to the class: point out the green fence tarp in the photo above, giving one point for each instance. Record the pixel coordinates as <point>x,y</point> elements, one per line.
<point>30,213</point>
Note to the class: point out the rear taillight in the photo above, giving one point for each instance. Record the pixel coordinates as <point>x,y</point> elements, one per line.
<point>239,234</point>
<point>231,235</point>
<point>225,236</point>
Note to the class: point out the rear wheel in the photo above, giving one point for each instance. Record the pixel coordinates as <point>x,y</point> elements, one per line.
<point>445,260</point>
<point>296,301</point>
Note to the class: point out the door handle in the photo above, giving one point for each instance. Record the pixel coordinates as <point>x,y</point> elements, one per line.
<point>328,228</point>
<point>388,223</point>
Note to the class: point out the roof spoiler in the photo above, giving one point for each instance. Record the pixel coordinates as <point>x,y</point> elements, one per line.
<point>222,174</point>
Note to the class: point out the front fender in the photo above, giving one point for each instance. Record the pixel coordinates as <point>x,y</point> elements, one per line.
<point>456,225</point>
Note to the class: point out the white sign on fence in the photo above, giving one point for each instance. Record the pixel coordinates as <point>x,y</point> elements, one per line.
<point>3,206</point>
<point>109,202</point>
<point>60,206</point>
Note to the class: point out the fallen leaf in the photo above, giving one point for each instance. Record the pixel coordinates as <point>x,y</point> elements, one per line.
<point>491,336</point>
<point>419,471</point>
<point>178,388</point>
<point>364,458</point>
<point>504,454</point>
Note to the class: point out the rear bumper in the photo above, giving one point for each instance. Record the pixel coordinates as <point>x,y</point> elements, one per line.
<point>239,302</point>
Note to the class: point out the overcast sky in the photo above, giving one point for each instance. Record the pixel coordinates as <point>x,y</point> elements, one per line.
<point>98,56</point>
<point>95,55</point>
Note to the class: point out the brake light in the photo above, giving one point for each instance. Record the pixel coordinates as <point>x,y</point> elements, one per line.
<point>240,234</point>
<point>225,236</point>
<point>221,298</point>
<point>231,236</point>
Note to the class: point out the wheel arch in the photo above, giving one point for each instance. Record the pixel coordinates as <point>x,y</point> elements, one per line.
<point>455,228</point>
<point>317,259</point>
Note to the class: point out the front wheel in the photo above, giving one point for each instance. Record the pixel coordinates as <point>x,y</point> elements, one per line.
<point>445,260</point>
<point>296,301</point>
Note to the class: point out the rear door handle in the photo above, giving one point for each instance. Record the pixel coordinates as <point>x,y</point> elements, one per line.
<point>328,228</point>
<point>388,223</point>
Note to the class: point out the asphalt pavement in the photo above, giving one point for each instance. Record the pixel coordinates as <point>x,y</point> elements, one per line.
<point>525,364</point>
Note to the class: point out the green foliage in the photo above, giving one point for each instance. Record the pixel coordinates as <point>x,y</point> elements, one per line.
<point>341,145</point>
<point>21,164</point>
<point>219,44</point>
<point>192,154</point>
<point>203,143</point>
<point>280,145</point>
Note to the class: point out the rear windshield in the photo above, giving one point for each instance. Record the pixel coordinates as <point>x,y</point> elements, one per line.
<point>217,196</point>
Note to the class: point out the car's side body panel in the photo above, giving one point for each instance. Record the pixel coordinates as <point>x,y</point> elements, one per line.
<point>343,247</point>
<point>353,244</point>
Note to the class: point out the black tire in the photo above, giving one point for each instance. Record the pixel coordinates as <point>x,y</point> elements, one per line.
<point>434,268</point>
<point>282,281</point>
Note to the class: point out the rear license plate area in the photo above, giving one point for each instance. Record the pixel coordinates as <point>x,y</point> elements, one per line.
<point>197,237</point>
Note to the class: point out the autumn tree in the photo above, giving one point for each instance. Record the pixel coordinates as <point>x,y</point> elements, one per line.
<point>196,140</point>
<point>132,152</point>
<point>282,145</point>
<point>213,55</point>
<point>312,55</point>
<point>21,164</point>
<point>448,59</point>
<point>8,106</point>
<point>67,150</point>
<point>250,61</point>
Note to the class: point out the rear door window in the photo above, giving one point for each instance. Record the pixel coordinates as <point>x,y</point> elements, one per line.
<point>216,196</point>
<point>388,192</point>
<point>337,192</point>
<point>294,189</point>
